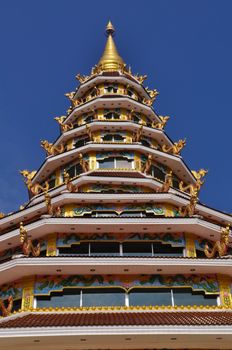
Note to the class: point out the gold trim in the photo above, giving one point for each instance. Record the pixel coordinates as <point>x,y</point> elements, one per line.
<point>190,245</point>
<point>51,245</point>
<point>28,294</point>
<point>225,290</point>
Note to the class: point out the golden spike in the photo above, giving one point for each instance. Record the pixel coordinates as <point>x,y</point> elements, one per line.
<point>110,59</point>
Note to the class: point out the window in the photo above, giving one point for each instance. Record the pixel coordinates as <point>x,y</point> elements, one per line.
<point>104,248</point>
<point>74,170</point>
<point>137,249</point>
<point>115,162</point>
<point>111,115</point>
<point>150,296</point>
<point>160,249</point>
<point>103,297</point>
<point>158,173</point>
<point>186,296</point>
<point>52,181</point>
<point>113,138</point>
<point>75,249</point>
<point>81,142</point>
<point>88,119</point>
<point>69,297</point>
<point>145,143</point>
<point>111,88</point>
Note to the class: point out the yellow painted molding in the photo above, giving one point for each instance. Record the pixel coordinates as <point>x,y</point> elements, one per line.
<point>190,245</point>
<point>51,245</point>
<point>225,290</point>
<point>28,294</point>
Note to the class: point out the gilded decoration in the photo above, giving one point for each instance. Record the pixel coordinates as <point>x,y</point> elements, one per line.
<point>219,247</point>
<point>115,188</point>
<point>64,127</point>
<point>44,285</point>
<point>175,148</point>
<point>28,294</point>
<point>190,208</point>
<point>225,290</point>
<point>36,188</point>
<point>28,247</point>
<point>52,150</point>
<point>162,124</point>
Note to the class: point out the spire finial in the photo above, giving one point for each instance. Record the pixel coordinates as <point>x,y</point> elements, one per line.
<point>110,60</point>
<point>110,29</point>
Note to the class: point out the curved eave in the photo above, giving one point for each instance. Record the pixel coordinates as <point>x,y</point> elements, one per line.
<point>38,208</point>
<point>14,269</point>
<point>159,135</point>
<point>112,102</point>
<point>176,163</point>
<point>46,224</point>
<point>101,79</point>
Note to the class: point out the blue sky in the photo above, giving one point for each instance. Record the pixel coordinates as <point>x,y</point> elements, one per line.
<point>183,46</point>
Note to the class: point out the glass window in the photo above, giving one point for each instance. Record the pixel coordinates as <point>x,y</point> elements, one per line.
<point>103,297</point>
<point>88,119</point>
<point>104,214</point>
<point>52,181</point>
<point>150,296</point>
<point>104,248</point>
<point>160,249</point>
<point>158,173</point>
<point>185,296</point>
<point>75,249</point>
<point>67,298</point>
<point>81,142</point>
<point>107,163</point>
<point>133,214</point>
<point>113,137</point>
<point>137,248</point>
<point>74,170</point>
<point>123,163</point>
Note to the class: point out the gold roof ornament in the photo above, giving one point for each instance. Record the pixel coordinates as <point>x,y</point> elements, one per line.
<point>110,60</point>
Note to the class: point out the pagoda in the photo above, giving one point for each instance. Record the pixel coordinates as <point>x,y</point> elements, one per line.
<point>114,249</point>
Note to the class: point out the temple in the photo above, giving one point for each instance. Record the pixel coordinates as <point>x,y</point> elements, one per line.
<point>114,249</point>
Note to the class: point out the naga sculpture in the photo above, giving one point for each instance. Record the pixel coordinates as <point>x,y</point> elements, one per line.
<point>140,78</point>
<point>220,247</point>
<point>191,189</point>
<point>83,163</point>
<point>189,209</point>
<point>69,185</point>
<point>137,135</point>
<point>148,102</point>
<point>82,78</point>
<point>51,149</point>
<point>36,188</point>
<point>64,127</point>
<point>153,93</point>
<point>28,247</point>
<point>89,132</point>
<point>50,209</point>
<point>161,124</point>
<point>2,215</point>
<point>176,148</point>
<point>70,95</point>
<point>199,174</point>
<point>147,166</point>
<point>6,311</point>
<point>167,183</point>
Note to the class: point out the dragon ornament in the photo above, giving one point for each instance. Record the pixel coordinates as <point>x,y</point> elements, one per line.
<point>176,148</point>
<point>194,189</point>
<point>137,135</point>
<point>64,127</point>
<point>83,163</point>
<point>139,78</point>
<point>50,209</point>
<point>147,166</point>
<point>152,93</point>
<point>189,209</point>
<point>27,244</point>
<point>220,247</point>
<point>36,188</point>
<point>6,310</point>
<point>82,78</point>
<point>69,185</point>
<point>52,150</point>
<point>161,124</point>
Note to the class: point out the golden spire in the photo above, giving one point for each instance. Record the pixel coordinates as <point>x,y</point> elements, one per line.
<point>110,59</point>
